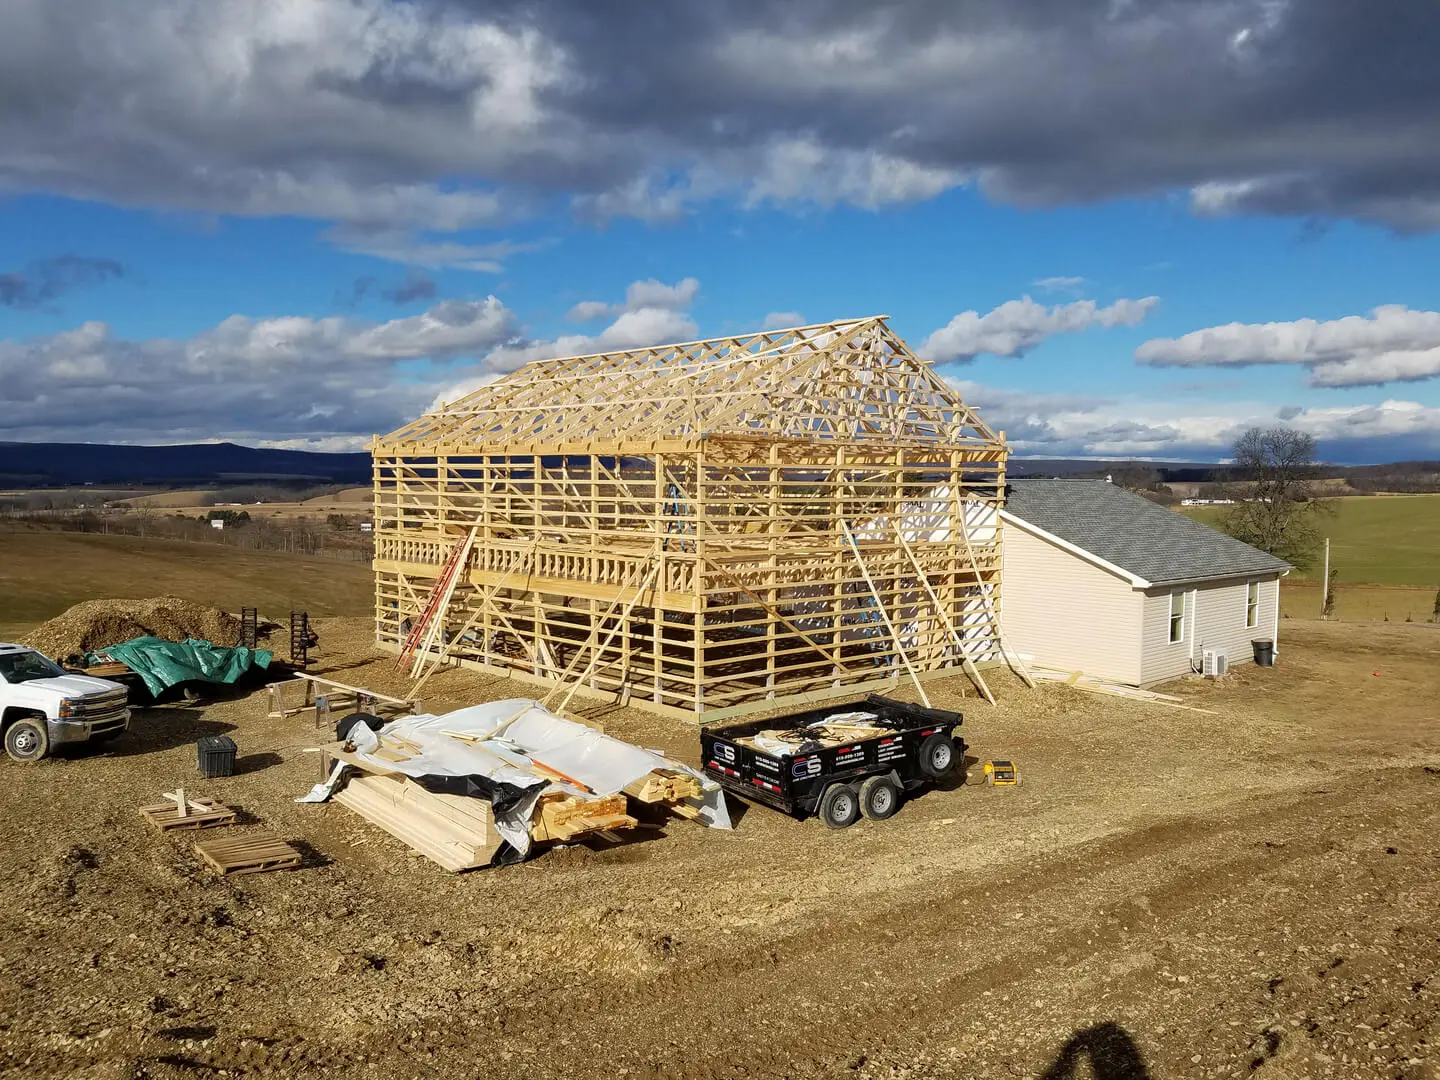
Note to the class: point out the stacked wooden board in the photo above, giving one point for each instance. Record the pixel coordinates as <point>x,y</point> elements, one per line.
<point>452,831</point>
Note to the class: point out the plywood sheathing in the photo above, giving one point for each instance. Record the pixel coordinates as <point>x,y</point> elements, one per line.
<point>668,521</point>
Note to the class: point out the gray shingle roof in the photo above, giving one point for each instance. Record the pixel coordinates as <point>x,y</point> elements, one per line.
<point>1126,530</point>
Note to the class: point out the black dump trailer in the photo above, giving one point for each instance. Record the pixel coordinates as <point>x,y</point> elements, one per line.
<point>901,747</point>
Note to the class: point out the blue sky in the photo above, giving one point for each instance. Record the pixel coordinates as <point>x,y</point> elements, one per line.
<point>299,223</point>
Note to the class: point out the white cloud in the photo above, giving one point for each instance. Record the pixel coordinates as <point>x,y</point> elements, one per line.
<point>1072,425</point>
<point>1017,326</point>
<point>257,380</point>
<point>804,170</point>
<point>1393,343</point>
<point>420,249</point>
<point>651,314</point>
<point>588,311</point>
<point>1059,284</point>
<point>782,320</point>
<point>640,296</point>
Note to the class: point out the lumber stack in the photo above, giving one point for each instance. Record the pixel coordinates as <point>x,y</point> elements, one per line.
<point>563,817</point>
<point>453,831</point>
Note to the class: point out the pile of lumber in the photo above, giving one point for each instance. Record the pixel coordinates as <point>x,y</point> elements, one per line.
<point>457,832</point>
<point>453,831</point>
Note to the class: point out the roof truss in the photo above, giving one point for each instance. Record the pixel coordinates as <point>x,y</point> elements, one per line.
<point>852,380</point>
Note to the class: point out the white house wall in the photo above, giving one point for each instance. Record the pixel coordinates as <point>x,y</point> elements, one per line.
<point>1065,612</point>
<point>1214,619</point>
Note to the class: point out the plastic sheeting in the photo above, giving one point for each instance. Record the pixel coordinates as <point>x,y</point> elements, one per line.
<point>501,741</point>
<point>163,664</point>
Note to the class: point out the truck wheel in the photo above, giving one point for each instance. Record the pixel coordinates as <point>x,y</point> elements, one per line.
<point>839,806</point>
<point>879,798</point>
<point>27,739</point>
<point>937,755</point>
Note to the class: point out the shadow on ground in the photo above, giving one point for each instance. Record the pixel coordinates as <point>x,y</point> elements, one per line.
<point>1109,1051</point>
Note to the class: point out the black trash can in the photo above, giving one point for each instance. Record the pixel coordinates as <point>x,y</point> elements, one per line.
<point>217,755</point>
<point>1264,653</point>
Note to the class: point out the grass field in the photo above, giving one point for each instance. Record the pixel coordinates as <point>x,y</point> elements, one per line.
<point>1379,540</point>
<point>42,573</point>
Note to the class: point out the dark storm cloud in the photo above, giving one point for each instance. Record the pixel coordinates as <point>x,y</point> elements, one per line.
<point>416,285</point>
<point>46,280</point>
<point>442,115</point>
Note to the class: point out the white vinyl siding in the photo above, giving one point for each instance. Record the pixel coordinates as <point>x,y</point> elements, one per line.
<point>1066,612</point>
<point>1215,616</point>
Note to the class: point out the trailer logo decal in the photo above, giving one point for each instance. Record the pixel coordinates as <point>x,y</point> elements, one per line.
<point>803,767</point>
<point>725,752</point>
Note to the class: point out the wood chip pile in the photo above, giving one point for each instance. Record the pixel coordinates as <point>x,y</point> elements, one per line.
<point>97,623</point>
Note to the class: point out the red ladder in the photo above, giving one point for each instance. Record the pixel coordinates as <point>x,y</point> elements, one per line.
<point>439,597</point>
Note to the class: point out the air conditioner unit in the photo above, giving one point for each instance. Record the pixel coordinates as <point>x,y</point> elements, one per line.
<point>1214,663</point>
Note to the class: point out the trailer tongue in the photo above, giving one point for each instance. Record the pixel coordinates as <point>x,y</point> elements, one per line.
<point>841,761</point>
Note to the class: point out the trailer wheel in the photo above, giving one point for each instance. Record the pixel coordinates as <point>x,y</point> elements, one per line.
<point>839,806</point>
<point>27,739</point>
<point>879,798</point>
<point>937,755</point>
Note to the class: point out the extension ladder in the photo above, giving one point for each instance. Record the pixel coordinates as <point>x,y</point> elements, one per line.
<point>439,598</point>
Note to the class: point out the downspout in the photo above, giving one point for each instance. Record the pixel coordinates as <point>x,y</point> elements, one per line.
<point>1192,603</point>
<point>1275,629</point>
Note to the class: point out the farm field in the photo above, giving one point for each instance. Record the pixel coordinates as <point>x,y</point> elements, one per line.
<point>354,501</point>
<point>1377,540</point>
<point>43,572</point>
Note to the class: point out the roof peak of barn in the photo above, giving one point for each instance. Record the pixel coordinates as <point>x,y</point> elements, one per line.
<point>848,380</point>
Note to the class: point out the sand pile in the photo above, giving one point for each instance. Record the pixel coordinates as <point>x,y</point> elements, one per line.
<point>97,623</point>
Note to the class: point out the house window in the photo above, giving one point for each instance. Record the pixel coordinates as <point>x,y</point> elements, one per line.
<point>1252,605</point>
<point>1177,616</point>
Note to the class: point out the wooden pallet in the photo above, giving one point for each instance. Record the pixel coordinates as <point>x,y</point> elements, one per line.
<point>251,853</point>
<point>183,812</point>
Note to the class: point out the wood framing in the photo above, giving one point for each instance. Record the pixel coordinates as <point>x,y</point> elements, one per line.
<point>667,525</point>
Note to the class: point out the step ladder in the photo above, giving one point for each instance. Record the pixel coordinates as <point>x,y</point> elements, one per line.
<point>249,628</point>
<point>300,639</point>
<point>438,601</point>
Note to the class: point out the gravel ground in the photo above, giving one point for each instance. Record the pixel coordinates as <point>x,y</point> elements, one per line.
<point>1250,891</point>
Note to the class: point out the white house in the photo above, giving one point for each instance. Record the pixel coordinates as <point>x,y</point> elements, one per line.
<point>1099,580</point>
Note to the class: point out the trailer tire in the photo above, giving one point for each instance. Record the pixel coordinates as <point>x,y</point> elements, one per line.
<point>879,798</point>
<point>27,739</point>
<point>938,755</point>
<point>840,806</point>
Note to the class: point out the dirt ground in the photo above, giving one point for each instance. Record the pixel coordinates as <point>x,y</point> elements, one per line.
<point>1249,891</point>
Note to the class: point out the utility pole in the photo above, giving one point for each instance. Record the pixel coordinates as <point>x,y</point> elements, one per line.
<point>1325,584</point>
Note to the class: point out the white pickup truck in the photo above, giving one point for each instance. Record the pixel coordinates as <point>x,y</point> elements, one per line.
<point>43,706</point>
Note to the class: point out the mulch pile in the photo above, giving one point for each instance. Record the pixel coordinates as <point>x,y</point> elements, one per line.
<point>95,624</point>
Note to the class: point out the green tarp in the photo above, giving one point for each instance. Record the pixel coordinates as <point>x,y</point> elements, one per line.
<point>163,664</point>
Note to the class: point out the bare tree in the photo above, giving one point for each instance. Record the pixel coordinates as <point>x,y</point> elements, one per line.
<point>1279,511</point>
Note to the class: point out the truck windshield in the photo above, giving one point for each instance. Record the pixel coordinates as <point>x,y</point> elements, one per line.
<point>18,667</point>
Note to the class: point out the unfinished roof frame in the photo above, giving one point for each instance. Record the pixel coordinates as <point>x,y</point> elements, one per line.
<point>665,524</point>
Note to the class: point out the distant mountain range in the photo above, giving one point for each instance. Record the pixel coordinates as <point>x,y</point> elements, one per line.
<point>74,464</point>
<point>34,465</point>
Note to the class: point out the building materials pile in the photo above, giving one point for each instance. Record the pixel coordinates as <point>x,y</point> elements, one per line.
<point>483,784</point>
<point>96,623</point>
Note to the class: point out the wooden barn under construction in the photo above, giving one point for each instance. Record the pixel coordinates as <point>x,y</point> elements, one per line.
<point>701,529</point>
